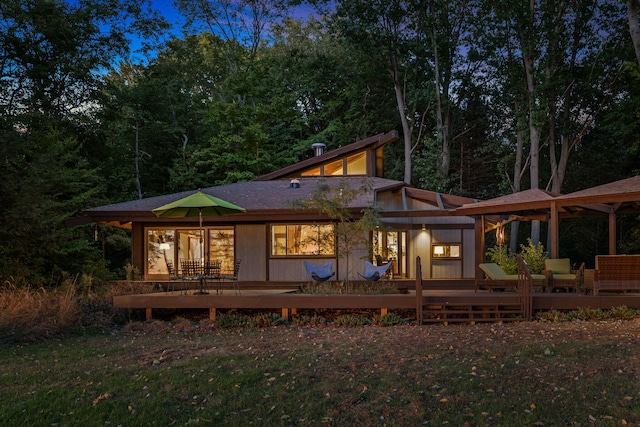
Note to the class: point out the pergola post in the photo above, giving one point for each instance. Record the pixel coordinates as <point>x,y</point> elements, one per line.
<point>612,232</point>
<point>480,244</point>
<point>553,225</point>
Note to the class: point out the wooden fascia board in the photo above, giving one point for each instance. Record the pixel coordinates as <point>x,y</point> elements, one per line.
<point>415,213</point>
<point>598,200</point>
<point>444,201</point>
<point>507,208</point>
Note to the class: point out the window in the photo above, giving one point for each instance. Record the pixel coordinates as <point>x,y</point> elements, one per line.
<point>169,246</point>
<point>334,168</point>
<point>302,239</point>
<point>357,164</point>
<point>445,251</point>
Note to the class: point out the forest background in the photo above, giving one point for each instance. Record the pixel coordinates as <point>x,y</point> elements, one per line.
<point>104,101</point>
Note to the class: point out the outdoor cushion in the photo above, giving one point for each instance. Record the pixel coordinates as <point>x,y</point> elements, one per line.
<point>558,266</point>
<point>495,272</point>
<point>570,276</point>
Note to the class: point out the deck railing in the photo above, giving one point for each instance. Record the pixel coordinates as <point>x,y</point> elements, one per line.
<point>525,289</point>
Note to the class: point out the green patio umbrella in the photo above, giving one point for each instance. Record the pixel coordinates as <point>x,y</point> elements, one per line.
<point>198,204</point>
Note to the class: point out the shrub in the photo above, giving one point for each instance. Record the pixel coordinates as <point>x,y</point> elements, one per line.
<point>265,320</point>
<point>389,319</point>
<point>534,256</point>
<point>625,313</point>
<point>232,320</point>
<point>552,316</point>
<point>351,320</point>
<point>305,320</point>
<point>506,260</point>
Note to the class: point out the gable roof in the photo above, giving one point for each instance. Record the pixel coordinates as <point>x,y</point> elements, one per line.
<point>531,199</point>
<point>622,191</point>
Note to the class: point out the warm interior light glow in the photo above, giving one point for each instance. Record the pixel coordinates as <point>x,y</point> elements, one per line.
<point>500,235</point>
<point>438,250</point>
<point>165,246</point>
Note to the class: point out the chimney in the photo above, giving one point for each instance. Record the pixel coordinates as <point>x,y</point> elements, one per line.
<point>318,148</point>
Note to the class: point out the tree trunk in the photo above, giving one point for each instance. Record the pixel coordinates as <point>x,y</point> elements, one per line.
<point>634,26</point>
<point>406,125</point>
<point>441,121</point>
<point>137,150</point>
<point>517,178</point>
<point>534,136</point>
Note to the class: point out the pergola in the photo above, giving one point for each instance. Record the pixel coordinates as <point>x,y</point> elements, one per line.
<point>609,199</point>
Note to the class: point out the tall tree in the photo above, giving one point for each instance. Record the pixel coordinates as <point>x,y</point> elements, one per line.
<point>51,60</point>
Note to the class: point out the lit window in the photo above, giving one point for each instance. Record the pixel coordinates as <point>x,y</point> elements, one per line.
<point>302,239</point>
<point>357,164</point>
<point>334,168</point>
<point>312,172</point>
<point>445,251</point>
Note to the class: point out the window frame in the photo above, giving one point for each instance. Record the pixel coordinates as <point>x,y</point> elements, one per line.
<point>285,240</point>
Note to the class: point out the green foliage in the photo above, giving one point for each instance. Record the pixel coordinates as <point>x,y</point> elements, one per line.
<point>351,320</point>
<point>390,319</point>
<point>265,320</point>
<point>534,256</point>
<point>232,320</point>
<point>501,255</point>
<point>587,313</point>
<point>306,320</point>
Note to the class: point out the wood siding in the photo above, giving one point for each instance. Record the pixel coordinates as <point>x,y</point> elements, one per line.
<point>251,248</point>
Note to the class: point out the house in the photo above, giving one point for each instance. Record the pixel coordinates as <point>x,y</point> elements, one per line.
<point>273,237</point>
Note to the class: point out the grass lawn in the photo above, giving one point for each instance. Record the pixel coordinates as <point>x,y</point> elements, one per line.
<point>579,373</point>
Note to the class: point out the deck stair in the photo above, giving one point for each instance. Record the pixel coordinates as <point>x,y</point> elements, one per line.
<point>478,312</point>
<point>487,307</point>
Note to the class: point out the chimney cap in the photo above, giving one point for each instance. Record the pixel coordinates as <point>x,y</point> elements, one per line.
<point>318,148</point>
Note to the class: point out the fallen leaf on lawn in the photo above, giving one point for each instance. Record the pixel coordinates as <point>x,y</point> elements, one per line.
<point>103,396</point>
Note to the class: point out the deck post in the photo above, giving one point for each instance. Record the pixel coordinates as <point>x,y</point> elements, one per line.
<point>285,313</point>
<point>212,313</point>
<point>419,302</point>
<point>148,311</point>
<point>383,311</point>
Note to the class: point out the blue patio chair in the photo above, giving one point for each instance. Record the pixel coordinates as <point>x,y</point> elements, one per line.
<point>373,273</point>
<point>319,273</point>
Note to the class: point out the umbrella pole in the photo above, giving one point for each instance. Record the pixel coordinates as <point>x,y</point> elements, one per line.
<point>202,260</point>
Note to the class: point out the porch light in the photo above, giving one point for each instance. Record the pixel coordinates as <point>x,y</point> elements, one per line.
<point>438,250</point>
<point>424,227</point>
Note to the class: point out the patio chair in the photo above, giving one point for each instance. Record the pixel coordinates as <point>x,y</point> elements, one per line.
<point>212,271</point>
<point>497,278</point>
<point>319,273</point>
<point>233,277</point>
<point>373,273</point>
<point>561,276</point>
<point>173,277</point>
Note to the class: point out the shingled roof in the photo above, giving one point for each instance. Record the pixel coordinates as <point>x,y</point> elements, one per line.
<point>259,198</point>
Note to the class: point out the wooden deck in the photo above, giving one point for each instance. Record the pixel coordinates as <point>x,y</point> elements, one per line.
<point>444,302</point>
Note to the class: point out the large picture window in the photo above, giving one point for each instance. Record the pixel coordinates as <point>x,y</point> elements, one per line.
<point>170,246</point>
<point>302,239</point>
